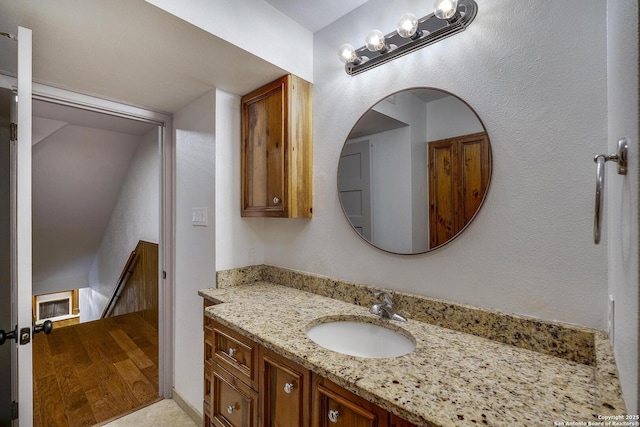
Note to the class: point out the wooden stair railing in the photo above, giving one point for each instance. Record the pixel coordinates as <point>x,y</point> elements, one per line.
<point>127,272</point>
<point>137,287</point>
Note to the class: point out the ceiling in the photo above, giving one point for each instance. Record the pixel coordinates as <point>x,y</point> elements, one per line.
<point>133,52</point>
<point>315,15</point>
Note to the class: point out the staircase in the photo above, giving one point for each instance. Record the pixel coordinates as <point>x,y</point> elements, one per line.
<point>137,286</point>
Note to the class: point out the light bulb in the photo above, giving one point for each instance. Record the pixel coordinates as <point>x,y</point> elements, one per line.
<point>445,9</point>
<point>375,42</point>
<point>347,54</point>
<point>408,26</point>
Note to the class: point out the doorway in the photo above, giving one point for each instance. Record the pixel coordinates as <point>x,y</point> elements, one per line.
<point>96,194</point>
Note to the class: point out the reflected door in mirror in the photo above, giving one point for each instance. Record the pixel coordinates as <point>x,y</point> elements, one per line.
<point>459,174</point>
<point>354,184</point>
<point>414,171</point>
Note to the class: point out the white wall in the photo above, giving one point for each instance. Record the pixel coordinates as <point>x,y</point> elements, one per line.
<point>622,196</point>
<point>195,250</point>
<point>252,25</point>
<point>135,217</point>
<point>538,82</point>
<point>449,117</point>
<point>239,241</point>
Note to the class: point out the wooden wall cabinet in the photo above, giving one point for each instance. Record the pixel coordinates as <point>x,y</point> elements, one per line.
<point>277,150</point>
<point>257,387</point>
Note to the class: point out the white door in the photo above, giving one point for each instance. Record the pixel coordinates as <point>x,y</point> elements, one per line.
<point>21,232</point>
<point>354,186</point>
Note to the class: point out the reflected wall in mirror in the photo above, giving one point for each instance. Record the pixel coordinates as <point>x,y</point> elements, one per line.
<point>414,171</point>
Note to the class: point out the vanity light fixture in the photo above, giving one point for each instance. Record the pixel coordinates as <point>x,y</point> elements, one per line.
<point>449,17</point>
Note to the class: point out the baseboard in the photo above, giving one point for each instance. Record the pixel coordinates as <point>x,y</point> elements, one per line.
<point>192,412</point>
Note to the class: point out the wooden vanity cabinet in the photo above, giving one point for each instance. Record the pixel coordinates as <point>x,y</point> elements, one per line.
<point>231,379</point>
<point>277,150</point>
<point>247,385</point>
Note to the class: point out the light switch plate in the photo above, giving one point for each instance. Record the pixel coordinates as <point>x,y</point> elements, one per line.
<point>199,217</point>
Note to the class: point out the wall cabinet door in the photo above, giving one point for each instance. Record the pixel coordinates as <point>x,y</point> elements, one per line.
<point>285,392</point>
<point>334,406</point>
<point>277,150</point>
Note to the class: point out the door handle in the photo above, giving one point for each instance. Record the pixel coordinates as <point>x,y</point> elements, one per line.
<point>25,335</point>
<point>46,327</point>
<point>11,335</point>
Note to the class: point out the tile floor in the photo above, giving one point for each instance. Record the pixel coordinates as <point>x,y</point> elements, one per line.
<point>165,413</point>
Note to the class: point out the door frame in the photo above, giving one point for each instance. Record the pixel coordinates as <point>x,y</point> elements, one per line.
<point>166,261</point>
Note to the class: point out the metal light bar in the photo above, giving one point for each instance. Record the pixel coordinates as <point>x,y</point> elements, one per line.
<point>433,29</point>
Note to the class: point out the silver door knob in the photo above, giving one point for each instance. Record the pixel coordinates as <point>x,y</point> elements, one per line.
<point>230,409</point>
<point>288,388</point>
<point>276,200</point>
<point>333,415</point>
<point>231,352</point>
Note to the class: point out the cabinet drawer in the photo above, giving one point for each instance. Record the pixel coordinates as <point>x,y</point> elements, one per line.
<point>337,407</point>
<point>233,403</point>
<point>235,353</point>
<point>285,391</point>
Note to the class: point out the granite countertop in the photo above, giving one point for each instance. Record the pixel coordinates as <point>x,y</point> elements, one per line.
<point>450,379</point>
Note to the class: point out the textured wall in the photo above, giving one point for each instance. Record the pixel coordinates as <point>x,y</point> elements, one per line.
<point>538,81</point>
<point>134,217</point>
<point>239,241</point>
<point>195,251</point>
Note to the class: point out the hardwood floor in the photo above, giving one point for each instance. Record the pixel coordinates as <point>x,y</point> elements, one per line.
<point>91,372</point>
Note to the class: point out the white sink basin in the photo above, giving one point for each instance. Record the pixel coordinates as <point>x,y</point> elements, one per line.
<point>362,339</point>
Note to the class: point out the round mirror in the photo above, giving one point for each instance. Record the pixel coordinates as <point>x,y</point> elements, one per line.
<point>414,171</point>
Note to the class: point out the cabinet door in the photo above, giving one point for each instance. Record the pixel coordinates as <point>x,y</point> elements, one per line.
<point>233,403</point>
<point>263,151</point>
<point>285,392</point>
<point>334,406</point>
<point>399,422</point>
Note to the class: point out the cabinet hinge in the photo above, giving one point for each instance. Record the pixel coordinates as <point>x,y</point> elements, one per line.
<point>164,274</point>
<point>14,410</point>
<point>13,132</point>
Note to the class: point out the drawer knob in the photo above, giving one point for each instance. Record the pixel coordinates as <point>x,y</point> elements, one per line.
<point>231,352</point>
<point>230,409</point>
<point>288,388</point>
<point>333,415</point>
<point>276,200</point>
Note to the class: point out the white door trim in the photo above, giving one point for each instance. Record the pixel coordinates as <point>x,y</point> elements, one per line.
<point>22,232</point>
<point>167,196</point>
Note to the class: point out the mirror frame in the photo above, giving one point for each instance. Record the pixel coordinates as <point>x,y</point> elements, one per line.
<point>482,201</point>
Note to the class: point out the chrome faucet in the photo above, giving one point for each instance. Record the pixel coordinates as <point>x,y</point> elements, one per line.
<point>384,308</point>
